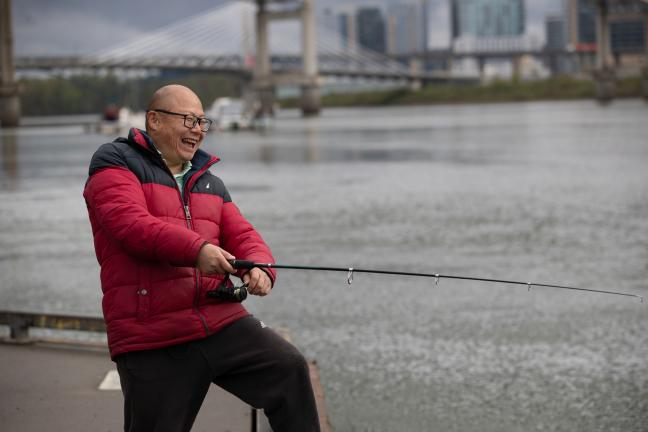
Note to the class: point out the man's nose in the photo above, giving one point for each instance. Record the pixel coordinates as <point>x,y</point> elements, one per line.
<point>196,126</point>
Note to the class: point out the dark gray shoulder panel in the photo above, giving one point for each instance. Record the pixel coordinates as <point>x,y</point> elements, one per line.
<point>208,183</point>
<point>121,154</point>
<point>107,155</point>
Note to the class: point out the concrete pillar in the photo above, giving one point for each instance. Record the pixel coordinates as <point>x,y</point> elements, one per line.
<point>9,99</point>
<point>553,62</point>
<point>517,67</point>
<point>262,81</point>
<point>482,69</point>
<point>604,74</point>
<point>416,68</point>
<point>310,90</point>
<point>10,165</point>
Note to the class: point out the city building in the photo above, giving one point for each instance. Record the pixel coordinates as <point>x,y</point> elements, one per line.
<point>487,18</point>
<point>370,28</point>
<point>407,27</point>
<point>628,27</point>
<point>340,21</point>
<point>555,33</point>
<point>580,25</point>
<point>627,32</point>
<point>627,36</point>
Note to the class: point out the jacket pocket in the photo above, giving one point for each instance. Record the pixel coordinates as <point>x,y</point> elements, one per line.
<point>144,293</point>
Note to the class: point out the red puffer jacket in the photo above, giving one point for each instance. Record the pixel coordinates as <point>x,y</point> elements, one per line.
<point>147,240</point>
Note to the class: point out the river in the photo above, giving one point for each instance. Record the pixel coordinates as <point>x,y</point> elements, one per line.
<point>553,192</point>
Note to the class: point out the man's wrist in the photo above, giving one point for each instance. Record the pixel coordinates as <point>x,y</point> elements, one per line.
<point>205,243</point>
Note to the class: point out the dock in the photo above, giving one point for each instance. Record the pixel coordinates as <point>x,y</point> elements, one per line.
<point>53,384</point>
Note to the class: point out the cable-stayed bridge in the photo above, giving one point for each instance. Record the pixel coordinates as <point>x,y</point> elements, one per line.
<point>235,38</point>
<point>261,42</point>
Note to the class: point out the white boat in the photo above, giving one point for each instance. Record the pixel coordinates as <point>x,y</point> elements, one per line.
<point>230,114</point>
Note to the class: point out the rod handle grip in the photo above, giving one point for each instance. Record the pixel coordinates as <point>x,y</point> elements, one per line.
<point>242,264</point>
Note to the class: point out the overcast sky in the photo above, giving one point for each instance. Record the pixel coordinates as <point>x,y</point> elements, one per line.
<point>73,27</point>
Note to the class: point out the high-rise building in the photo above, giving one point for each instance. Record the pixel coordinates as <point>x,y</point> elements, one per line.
<point>480,18</point>
<point>555,33</point>
<point>627,25</point>
<point>627,36</point>
<point>580,25</point>
<point>370,28</point>
<point>340,22</point>
<point>407,27</point>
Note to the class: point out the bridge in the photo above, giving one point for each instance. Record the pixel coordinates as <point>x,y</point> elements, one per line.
<point>300,59</point>
<point>240,31</point>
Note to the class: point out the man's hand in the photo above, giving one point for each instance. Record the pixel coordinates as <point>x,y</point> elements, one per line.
<point>258,282</point>
<point>213,260</point>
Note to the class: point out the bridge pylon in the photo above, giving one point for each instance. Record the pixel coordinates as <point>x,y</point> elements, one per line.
<point>9,98</point>
<point>264,82</point>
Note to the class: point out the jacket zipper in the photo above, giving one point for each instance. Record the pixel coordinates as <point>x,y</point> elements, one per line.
<point>185,205</point>
<point>198,284</point>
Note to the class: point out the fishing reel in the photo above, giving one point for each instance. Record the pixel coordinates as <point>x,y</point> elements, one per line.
<point>230,294</point>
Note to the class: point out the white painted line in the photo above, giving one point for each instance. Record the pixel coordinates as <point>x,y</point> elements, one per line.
<point>110,381</point>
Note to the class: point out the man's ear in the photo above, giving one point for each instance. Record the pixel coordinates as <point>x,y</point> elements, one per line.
<point>152,121</point>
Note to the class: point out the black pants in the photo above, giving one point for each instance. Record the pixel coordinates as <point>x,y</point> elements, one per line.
<point>164,388</point>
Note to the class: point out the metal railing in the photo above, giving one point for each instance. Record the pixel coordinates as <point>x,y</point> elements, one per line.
<point>19,323</point>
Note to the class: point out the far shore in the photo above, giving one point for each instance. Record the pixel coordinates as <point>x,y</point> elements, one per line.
<point>559,88</point>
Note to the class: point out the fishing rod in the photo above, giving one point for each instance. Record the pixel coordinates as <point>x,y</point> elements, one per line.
<point>238,294</point>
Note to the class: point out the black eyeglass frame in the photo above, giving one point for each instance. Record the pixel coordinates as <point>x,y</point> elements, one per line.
<point>204,127</point>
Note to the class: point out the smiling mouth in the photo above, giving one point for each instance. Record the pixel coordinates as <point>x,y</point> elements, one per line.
<point>190,142</point>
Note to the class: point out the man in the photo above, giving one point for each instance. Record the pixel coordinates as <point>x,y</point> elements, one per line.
<point>164,229</point>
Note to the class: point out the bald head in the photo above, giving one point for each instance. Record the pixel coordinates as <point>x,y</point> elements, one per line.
<point>166,124</point>
<point>171,95</point>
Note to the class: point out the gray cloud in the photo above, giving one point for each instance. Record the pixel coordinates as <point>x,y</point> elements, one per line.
<point>72,27</point>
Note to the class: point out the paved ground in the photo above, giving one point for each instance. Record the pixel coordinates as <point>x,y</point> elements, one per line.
<point>45,387</point>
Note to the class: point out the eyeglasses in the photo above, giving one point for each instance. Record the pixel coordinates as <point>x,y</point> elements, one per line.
<point>190,120</point>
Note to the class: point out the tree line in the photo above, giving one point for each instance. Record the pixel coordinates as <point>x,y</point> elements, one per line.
<point>88,94</point>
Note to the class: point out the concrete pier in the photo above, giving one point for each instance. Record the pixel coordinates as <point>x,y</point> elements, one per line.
<point>56,387</point>
<point>73,385</point>
<point>9,99</point>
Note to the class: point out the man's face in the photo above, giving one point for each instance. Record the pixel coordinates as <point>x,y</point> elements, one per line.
<point>177,142</point>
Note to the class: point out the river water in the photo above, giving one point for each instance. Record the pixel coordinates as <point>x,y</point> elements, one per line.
<point>553,192</point>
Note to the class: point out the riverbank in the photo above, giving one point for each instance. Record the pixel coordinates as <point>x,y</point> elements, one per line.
<point>559,88</point>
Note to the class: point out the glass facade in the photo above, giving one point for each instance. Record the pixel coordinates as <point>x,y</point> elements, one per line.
<point>586,22</point>
<point>370,27</point>
<point>487,17</point>
<point>628,36</point>
<point>555,33</point>
<point>407,27</point>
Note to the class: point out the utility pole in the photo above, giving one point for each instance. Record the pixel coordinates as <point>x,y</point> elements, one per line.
<point>9,100</point>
